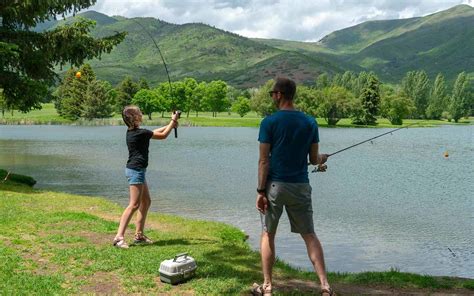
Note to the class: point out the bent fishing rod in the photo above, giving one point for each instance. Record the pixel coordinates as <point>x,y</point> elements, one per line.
<point>166,69</point>
<point>357,144</point>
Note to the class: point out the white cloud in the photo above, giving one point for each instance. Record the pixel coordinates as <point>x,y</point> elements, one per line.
<point>305,20</point>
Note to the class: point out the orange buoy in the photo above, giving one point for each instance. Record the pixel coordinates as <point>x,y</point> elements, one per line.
<point>446,154</point>
<point>78,74</point>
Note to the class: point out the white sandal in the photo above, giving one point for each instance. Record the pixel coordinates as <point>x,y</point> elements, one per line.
<point>119,242</point>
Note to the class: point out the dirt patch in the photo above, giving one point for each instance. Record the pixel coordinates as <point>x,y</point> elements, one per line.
<point>292,286</point>
<point>44,266</point>
<point>103,283</point>
<point>95,238</point>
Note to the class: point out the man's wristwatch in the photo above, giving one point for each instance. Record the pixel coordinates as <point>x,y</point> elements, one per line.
<point>261,190</point>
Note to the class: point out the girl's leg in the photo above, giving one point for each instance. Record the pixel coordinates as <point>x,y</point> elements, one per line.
<point>136,191</point>
<point>145,202</point>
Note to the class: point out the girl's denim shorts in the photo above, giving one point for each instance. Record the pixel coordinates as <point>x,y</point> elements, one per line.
<point>135,176</point>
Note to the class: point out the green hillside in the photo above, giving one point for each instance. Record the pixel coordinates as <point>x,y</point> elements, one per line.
<point>441,42</point>
<point>314,50</point>
<point>190,50</point>
<point>297,66</point>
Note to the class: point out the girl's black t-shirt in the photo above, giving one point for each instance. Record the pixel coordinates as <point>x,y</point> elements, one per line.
<point>138,141</point>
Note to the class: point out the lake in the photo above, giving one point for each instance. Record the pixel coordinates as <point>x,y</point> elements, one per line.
<point>394,203</point>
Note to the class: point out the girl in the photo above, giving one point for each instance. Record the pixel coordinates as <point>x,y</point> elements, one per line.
<point>138,141</point>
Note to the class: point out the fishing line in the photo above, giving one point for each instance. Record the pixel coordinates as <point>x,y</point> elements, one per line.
<point>164,63</point>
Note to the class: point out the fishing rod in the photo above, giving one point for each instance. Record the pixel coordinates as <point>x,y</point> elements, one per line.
<point>357,144</point>
<point>166,68</point>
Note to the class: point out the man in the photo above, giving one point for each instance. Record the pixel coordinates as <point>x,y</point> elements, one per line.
<point>286,139</point>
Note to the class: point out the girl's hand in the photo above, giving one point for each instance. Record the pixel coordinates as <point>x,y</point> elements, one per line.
<point>175,116</point>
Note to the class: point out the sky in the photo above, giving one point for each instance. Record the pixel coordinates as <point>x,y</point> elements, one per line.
<point>299,20</point>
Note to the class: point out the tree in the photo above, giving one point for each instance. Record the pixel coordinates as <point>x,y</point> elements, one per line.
<point>417,86</point>
<point>459,105</point>
<point>28,58</point>
<point>437,101</point>
<point>148,101</point>
<point>143,84</point>
<point>322,81</point>
<point>347,80</point>
<point>3,105</point>
<point>98,100</point>
<point>307,99</point>
<point>241,106</point>
<point>334,104</point>
<point>360,83</point>
<point>395,106</point>
<point>164,97</point>
<point>216,97</point>
<point>197,97</point>
<point>70,95</point>
<point>126,91</point>
<point>178,96</point>
<point>190,85</point>
<point>336,80</point>
<point>370,99</point>
<point>261,102</point>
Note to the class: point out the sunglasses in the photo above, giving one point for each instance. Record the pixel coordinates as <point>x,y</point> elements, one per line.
<point>274,92</point>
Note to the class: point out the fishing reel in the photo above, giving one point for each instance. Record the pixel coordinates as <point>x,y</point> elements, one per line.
<point>320,168</point>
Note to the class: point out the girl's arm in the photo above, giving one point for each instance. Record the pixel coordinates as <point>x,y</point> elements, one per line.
<point>163,132</point>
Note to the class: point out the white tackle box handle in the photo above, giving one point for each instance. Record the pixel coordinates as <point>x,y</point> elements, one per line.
<point>180,255</point>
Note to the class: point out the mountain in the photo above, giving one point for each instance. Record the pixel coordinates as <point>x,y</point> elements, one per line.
<point>440,42</point>
<point>192,50</point>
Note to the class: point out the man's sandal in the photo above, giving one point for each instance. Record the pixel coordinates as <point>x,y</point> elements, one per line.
<point>119,242</point>
<point>261,290</point>
<point>327,292</point>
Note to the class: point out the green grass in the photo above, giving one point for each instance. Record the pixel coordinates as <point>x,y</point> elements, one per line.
<point>57,243</point>
<point>48,115</point>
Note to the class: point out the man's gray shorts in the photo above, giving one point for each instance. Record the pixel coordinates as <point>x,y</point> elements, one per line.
<point>296,199</point>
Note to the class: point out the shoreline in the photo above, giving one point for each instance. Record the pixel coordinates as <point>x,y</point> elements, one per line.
<point>226,122</point>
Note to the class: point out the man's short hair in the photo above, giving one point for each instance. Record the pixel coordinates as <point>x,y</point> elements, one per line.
<point>285,86</point>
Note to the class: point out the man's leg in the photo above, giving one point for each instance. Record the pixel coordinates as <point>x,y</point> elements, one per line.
<point>267,250</point>
<point>315,253</point>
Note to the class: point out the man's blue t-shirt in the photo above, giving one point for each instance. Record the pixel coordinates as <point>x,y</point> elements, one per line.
<point>290,134</point>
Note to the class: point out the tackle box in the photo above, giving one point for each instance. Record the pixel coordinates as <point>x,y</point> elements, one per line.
<point>178,269</point>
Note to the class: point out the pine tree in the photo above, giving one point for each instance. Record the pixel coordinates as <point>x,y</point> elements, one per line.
<point>69,97</point>
<point>28,58</point>
<point>98,100</point>
<point>370,99</point>
<point>126,91</point>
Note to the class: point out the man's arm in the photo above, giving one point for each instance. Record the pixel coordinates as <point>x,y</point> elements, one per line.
<point>263,164</point>
<point>263,168</point>
<point>314,157</point>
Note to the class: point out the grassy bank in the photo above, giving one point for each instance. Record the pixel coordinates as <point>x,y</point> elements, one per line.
<point>57,243</point>
<point>48,116</point>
